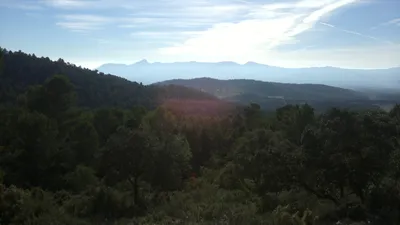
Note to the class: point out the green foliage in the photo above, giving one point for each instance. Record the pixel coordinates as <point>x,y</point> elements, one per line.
<point>81,179</point>
<point>352,152</point>
<point>32,207</point>
<point>83,141</point>
<point>282,216</point>
<point>29,158</point>
<point>258,156</point>
<point>129,155</point>
<point>293,120</point>
<point>1,61</point>
<point>53,98</point>
<point>204,203</point>
<point>172,163</point>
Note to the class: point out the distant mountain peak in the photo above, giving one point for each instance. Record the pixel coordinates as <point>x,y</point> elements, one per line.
<point>251,63</point>
<point>142,62</point>
<point>227,63</point>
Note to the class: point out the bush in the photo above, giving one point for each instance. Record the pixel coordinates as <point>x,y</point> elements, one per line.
<point>35,207</point>
<point>81,178</point>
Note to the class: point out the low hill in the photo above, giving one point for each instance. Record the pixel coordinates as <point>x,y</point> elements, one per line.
<point>252,88</point>
<point>94,89</point>
<point>271,95</point>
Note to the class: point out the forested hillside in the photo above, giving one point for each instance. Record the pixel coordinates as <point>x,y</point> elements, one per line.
<point>271,95</point>
<point>62,162</point>
<point>21,70</point>
<point>305,92</point>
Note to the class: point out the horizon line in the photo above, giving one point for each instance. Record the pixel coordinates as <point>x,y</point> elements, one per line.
<point>146,62</point>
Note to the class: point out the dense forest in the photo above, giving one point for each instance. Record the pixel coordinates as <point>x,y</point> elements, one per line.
<point>79,147</point>
<point>95,89</point>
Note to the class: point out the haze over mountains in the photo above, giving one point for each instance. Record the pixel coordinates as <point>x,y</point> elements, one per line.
<point>147,73</point>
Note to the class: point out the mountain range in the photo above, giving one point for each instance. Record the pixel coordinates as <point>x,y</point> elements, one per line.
<point>147,73</point>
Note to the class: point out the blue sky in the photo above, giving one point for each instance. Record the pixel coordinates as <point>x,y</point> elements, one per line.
<point>288,33</point>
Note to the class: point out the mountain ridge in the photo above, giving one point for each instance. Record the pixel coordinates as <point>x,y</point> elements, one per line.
<point>149,73</point>
<point>239,86</point>
<point>272,95</point>
<point>145,61</point>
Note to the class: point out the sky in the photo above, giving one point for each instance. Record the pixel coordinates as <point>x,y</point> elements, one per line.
<point>287,33</point>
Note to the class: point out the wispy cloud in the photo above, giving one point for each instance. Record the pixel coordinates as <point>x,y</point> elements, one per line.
<point>215,30</point>
<point>83,22</point>
<point>279,23</point>
<point>68,3</point>
<point>23,5</point>
<point>356,33</point>
<point>170,15</point>
<point>164,35</point>
<point>393,22</point>
<point>309,21</point>
<point>259,33</point>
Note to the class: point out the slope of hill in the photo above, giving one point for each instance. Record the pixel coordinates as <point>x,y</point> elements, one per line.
<point>272,95</point>
<point>146,72</point>
<point>94,89</point>
<point>233,88</point>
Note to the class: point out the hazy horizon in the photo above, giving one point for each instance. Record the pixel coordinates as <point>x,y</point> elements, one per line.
<point>288,34</point>
<point>238,63</point>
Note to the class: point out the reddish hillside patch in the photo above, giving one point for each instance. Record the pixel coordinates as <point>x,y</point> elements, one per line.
<point>194,107</point>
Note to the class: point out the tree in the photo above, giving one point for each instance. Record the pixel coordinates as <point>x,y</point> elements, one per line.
<point>106,121</point>
<point>260,156</point>
<point>129,156</point>
<point>253,116</point>
<point>1,61</point>
<point>81,178</point>
<point>293,120</point>
<point>173,153</point>
<point>160,121</point>
<point>30,157</point>
<point>172,163</point>
<point>395,112</point>
<point>346,153</point>
<point>83,142</point>
<point>53,99</point>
